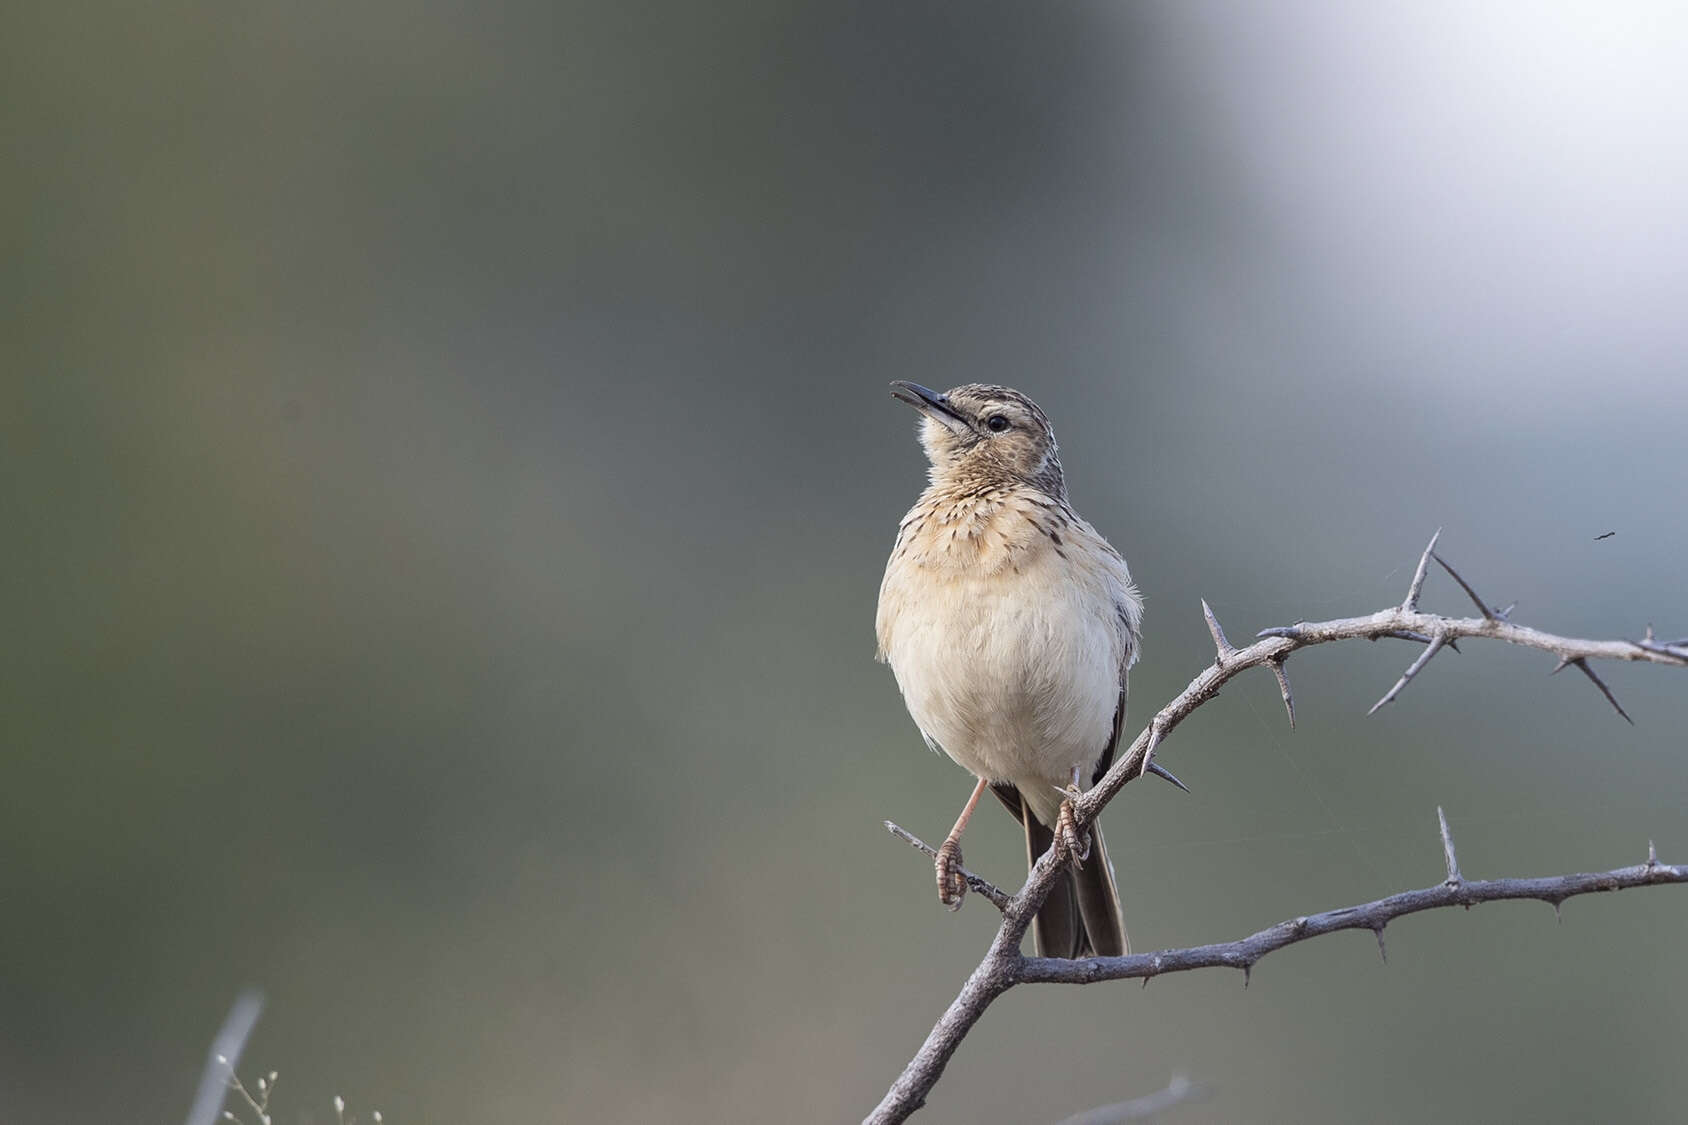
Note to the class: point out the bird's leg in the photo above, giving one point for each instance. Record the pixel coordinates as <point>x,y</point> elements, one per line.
<point>952,884</point>
<point>1066,824</point>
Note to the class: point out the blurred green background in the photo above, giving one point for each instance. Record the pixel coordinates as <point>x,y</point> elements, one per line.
<point>448,471</point>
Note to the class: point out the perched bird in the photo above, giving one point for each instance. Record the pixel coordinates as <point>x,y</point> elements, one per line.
<point>1010,624</point>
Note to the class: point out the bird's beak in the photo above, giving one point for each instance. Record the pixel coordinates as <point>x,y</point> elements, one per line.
<point>932,404</point>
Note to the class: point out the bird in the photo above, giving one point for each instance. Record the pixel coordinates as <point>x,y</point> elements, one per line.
<point>1010,625</point>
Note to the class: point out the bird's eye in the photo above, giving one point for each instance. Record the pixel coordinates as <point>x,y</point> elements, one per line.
<point>997,423</point>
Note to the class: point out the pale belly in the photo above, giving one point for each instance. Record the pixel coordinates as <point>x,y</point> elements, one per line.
<point>1014,686</point>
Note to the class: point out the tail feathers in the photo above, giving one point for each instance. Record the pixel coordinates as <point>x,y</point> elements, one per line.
<point>1058,929</point>
<point>1081,917</point>
<point>1098,900</point>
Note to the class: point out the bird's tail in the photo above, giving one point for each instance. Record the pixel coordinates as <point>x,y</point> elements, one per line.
<point>1081,917</point>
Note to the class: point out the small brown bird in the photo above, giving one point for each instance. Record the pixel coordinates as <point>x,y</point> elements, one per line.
<point>1010,625</point>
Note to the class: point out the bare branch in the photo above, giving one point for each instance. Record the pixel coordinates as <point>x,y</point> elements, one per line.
<point>1180,1089</point>
<point>1367,916</point>
<point>1675,650</point>
<point>981,887</point>
<point>1004,966</point>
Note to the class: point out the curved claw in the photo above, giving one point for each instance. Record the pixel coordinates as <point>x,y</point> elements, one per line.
<point>1067,836</point>
<point>952,884</point>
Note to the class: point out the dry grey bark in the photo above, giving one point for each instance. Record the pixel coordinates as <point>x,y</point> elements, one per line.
<point>1004,966</point>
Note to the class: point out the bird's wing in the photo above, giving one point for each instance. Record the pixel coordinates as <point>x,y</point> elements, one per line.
<point>1005,792</point>
<point>1107,758</point>
<point>1128,634</point>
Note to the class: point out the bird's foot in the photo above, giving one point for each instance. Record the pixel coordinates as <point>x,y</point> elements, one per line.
<point>952,884</point>
<point>1067,834</point>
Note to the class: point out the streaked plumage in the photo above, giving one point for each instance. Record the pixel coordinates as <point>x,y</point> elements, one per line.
<point>1010,624</point>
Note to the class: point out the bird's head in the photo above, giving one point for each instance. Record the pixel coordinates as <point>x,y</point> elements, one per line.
<point>991,434</point>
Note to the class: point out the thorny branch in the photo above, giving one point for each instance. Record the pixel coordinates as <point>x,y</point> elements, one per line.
<point>1374,916</point>
<point>982,887</point>
<point>1004,966</point>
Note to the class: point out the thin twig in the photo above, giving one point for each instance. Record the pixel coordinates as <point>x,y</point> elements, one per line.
<point>1676,650</point>
<point>1374,915</point>
<point>981,887</point>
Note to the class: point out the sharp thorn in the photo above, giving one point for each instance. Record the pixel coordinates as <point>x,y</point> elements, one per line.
<point>1224,647</point>
<point>1414,635</point>
<point>1410,605</point>
<point>1149,754</point>
<point>1652,855</point>
<point>1382,950</point>
<point>1430,650</point>
<point>1564,663</point>
<point>1604,690</point>
<point>1448,857</point>
<point>1559,911</point>
<point>1482,606</point>
<point>1248,970</point>
<point>1165,774</point>
<point>1283,690</point>
<point>1648,635</point>
<point>1504,614</point>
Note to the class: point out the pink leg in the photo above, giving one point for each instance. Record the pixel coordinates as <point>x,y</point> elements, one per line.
<point>952,885</point>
